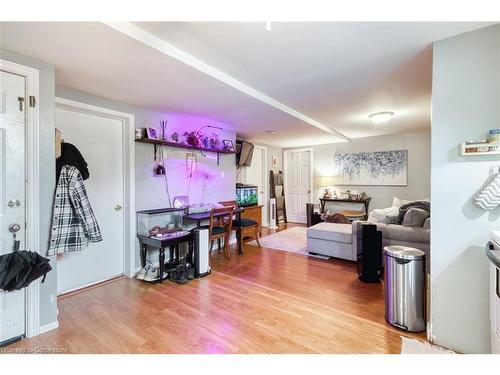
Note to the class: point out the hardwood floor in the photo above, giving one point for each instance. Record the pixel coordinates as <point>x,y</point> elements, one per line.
<point>265,301</point>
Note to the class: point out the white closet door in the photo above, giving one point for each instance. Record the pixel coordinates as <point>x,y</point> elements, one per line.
<point>99,139</point>
<point>298,184</point>
<point>12,192</point>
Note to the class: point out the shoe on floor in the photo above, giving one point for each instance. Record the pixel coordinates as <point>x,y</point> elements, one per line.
<point>152,273</point>
<point>143,271</point>
<point>179,275</point>
<point>171,265</point>
<point>190,272</point>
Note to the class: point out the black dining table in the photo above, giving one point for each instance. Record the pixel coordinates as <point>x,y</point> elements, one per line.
<point>202,216</point>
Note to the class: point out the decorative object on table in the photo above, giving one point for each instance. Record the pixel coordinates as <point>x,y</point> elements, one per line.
<point>180,201</point>
<point>228,145</point>
<point>214,141</point>
<point>325,182</point>
<point>205,140</point>
<point>163,124</point>
<point>354,195</point>
<point>192,138</point>
<point>175,137</point>
<point>274,162</point>
<point>345,194</point>
<point>140,133</point>
<point>488,196</point>
<point>388,168</point>
<point>494,136</point>
<point>152,133</point>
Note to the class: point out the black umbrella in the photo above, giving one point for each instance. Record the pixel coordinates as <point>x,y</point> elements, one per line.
<point>20,268</point>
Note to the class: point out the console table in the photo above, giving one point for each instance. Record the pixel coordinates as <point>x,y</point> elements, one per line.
<point>150,243</point>
<point>366,203</point>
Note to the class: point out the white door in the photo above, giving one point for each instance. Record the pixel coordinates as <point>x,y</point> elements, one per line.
<point>12,192</point>
<point>99,139</point>
<point>256,175</point>
<point>298,179</point>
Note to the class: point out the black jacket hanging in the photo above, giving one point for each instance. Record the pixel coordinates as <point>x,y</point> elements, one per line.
<point>71,156</point>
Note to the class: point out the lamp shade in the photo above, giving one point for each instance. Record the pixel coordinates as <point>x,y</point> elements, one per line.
<point>326,181</point>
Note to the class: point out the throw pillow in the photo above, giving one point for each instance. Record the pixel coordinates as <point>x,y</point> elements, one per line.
<point>390,219</point>
<point>415,217</point>
<point>396,202</point>
<point>378,214</point>
<point>427,223</point>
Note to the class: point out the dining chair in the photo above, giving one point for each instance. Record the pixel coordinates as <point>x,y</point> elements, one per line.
<point>243,223</point>
<point>220,227</point>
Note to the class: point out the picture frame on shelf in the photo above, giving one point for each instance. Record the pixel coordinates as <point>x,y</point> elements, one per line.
<point>151,133</point>
<point>228,145</point>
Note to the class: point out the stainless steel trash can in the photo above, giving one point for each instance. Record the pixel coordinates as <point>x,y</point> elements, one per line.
<point>404,286</point>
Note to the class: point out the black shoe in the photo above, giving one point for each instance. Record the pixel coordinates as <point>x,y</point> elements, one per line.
<point>171,265</point>
<point>190,273</point>
<point>179,275</point>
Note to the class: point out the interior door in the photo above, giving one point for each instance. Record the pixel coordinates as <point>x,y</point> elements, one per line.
<point>12,193</point>
<point>99,139</point>
<point>298,184</point>
<point>255,175</point>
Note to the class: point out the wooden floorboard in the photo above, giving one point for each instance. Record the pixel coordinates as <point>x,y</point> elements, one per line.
<point>265,301</point>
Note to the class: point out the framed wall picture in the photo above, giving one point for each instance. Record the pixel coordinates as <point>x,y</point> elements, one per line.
<point>382,168</point>
<point>228,145</point>
<point>152,133</point>
<point>274,161</point>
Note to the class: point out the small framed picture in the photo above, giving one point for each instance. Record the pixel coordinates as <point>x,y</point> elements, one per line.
<point>152,133</point>
<point>228,145</point>
<point>275,161</point>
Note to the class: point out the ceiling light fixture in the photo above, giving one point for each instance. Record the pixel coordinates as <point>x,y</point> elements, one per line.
<point>270,132</point>
<point>268,26</point>
<point>380,117</point>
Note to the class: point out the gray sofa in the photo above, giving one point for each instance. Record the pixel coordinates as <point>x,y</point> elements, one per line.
<point>336,240</point>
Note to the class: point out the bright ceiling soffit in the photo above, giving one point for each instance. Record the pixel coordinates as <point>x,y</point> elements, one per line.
<point>168,49</point>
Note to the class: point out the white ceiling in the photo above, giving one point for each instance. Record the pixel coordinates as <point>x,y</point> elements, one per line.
<point>334,73</point>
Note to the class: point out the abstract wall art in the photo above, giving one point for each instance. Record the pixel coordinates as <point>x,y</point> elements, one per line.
<point>387,168</point>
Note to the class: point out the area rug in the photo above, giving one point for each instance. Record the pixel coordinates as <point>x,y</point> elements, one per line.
<point>412,346</point>
<point>293,240</point>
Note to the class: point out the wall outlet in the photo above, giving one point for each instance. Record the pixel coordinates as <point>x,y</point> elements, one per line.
<point>52,298</point>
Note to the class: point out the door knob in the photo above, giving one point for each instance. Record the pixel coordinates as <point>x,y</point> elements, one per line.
<point>118,207</point>
<point>14,228</point>
<point>14,203</point>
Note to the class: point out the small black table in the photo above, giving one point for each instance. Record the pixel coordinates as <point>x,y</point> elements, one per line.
<point>161,244</point>
<point>199,217</point>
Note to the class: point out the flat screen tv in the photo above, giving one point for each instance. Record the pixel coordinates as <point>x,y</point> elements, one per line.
<point>244,153</point>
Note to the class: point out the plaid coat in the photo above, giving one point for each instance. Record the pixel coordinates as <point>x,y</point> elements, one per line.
<point>74,225</point>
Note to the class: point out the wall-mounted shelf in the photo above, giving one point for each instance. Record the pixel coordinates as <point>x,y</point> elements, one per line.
<point>157,142</point>
<point>466,149</point>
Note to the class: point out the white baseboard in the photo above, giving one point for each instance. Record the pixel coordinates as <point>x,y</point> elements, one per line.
<point>49,327</point>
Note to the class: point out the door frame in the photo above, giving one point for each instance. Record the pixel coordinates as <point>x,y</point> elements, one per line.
<point>32,197</point>
<point>285,170</point>
<point>128,144</point>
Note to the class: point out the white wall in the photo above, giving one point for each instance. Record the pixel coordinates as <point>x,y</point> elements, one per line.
<point>46,107</point>
<point>466,104</point>
<point>418,145</point>
<point>150,191</point>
